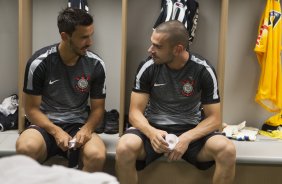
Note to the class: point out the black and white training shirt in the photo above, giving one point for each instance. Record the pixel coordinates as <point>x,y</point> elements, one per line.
<point>185,11</point>
<point>176,96</point>
<point>64,89</point>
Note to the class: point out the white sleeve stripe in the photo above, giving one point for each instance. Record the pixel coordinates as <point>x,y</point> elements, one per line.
<point>92,55</point>
<point>141,71</point>
<point>35,64</point>
<point>204,63</point>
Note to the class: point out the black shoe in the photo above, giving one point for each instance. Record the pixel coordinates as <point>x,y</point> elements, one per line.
<point>269,128</point>
<point>111,122</point>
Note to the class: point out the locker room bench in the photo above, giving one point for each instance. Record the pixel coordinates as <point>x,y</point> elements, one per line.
<point>264,150</point>
<point>8,141</point>
<point>257,162</point>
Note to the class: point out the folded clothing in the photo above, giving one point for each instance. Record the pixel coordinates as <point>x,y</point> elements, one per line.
<point>230,130</point>
<point>240,132</point>
<point>272,127</point>
<point>9,105</point>
<point>8,122</point>
<point>277,134</point>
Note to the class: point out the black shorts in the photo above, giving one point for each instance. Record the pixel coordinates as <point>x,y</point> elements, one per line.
<point>190,155</point>
<point>51,145</point>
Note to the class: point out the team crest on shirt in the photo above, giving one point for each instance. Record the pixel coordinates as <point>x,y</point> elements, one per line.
<point>82,83</point>
<point>187,87</point>
<point>274,17</point>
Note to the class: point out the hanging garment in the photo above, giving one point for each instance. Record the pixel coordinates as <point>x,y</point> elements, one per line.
<point>186,11</point>
<point>267,49</point>
<point>81,4</point>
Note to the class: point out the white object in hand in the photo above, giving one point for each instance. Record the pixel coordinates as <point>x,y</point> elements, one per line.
<point>172,140</point>
<point>72,143</point>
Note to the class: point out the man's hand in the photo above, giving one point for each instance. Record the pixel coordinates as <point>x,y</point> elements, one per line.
<point>62,139</point>
<point>179,149</point>
<point>158,142</point>
<point>82,136</point>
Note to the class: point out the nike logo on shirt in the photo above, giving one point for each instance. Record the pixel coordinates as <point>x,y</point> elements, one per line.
<point>52,82</point>
<point>159,84</point>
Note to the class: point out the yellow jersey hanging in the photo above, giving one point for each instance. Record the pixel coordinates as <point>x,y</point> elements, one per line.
<point>267,49</point>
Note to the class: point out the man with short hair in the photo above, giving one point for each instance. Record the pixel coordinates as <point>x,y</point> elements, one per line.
<point>171,87</point>
<point>59,79</point>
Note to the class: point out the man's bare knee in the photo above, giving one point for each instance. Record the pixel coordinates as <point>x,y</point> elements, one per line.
<point>227,154</point>
<point>128,151</point>
<point>32,146</point>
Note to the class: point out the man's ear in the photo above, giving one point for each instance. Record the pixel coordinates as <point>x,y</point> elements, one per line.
<point>64,36</point>
<point>178,49</point>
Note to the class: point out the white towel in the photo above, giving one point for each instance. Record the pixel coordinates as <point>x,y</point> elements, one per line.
<point>24,170</point>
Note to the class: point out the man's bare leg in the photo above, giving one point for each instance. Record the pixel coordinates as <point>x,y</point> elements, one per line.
<point>223,151</point>
<point>31,143</point>
<point>129,149</point>
<point>93,154</point>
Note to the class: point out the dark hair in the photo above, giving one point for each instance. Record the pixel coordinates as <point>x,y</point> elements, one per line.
<point>69,18</point>
<point>176,31</point>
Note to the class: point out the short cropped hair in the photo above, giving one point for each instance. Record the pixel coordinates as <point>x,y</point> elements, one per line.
<point>176,31</point>
<point>69,18</point>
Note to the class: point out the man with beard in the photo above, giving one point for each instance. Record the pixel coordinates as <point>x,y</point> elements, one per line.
<point>59,79</point>
<point>171,88</point>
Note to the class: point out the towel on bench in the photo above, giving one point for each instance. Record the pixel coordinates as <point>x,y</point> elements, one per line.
<point>240,132</point>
